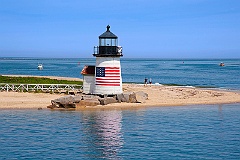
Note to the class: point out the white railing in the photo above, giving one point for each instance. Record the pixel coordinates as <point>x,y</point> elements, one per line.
<point>55,88</point>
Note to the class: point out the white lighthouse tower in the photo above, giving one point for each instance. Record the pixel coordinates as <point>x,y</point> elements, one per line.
<point>108,79</point>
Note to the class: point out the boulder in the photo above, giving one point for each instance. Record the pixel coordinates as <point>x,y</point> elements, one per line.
<point>90,102</point>
<point>93,100</point>
<point>107,100</point>
<point>65,102</point>
<point>77,98</point>
<point>126,96</point>
<point>90,97</point>
<point>121,98</point>
<point>132,98</point>
<point>135,97</point>
<point>141,97</point>
<point>69,105</point>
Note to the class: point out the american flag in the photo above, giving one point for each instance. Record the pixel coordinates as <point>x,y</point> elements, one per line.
<point>108,76</point>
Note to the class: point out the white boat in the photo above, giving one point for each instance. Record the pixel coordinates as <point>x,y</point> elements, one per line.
<point>40,67</point>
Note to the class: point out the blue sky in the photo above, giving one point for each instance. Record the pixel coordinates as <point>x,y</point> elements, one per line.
<point>146,28</point>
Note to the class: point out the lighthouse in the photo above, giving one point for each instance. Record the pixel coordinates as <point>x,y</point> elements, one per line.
<point>108,79</point>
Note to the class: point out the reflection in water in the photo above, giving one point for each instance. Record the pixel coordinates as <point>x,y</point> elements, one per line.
<point>102,130</point>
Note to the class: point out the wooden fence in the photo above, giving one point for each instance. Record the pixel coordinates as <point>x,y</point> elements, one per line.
<point>48,88</point>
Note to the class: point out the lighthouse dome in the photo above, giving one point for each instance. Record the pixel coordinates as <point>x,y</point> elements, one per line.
<point>108,34</point>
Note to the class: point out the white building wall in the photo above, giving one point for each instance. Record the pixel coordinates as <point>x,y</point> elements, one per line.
<point>88,84</point>
<point>108,85</point>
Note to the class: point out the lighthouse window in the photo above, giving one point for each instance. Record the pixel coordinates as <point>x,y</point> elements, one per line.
<point>114,42</point>
<point>102,42</point>
<point>108,42</point>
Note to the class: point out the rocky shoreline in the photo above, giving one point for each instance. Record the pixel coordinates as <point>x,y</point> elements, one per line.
<point>82,100</point>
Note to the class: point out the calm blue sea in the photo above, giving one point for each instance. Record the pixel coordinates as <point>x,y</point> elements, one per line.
<point>183,132</point>
<point>197,72</point>
<point>187,132</point>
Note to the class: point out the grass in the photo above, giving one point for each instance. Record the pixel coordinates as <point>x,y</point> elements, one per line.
<point>35,80</point>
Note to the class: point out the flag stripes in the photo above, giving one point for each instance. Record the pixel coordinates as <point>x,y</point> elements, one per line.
<point>108,76</point>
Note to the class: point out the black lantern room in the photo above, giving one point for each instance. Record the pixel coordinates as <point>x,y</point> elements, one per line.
<point>108,45</point>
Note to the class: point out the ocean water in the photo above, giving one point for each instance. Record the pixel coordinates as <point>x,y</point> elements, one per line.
<point>182,132</point>
<point>187,132</point>
<point>195,72</point>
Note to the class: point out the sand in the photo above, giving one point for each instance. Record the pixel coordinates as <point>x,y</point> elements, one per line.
<point>175,96</point>
<point>17,100</point>
<point>157,96</point>
<point>20,100</point>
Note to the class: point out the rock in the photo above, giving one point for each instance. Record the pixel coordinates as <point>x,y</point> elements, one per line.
<point>69,105</point>
<point>89,97</point>
<point>55,104</point>
<point>121,98</point>
<point>141,97</point>
<point>132,98</point>
<point>90,102</point>
<point>107,100</point>
<point>93,100</point>
<point>126,96</point>
<point>65,102</point>
<point>135,97</point>
<point>77,99</point>
<point>50,106</point>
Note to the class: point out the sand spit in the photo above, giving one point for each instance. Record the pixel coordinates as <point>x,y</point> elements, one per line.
<point>20,100</point>
<point>157,96</point>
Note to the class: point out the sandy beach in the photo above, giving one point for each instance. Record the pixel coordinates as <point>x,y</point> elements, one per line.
<point>20,100</point>
<point>157,96</point>
<point>174,96</point>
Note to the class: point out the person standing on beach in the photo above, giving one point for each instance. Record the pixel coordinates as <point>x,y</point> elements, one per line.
<point>145,81</point>
<point>150,81</point>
